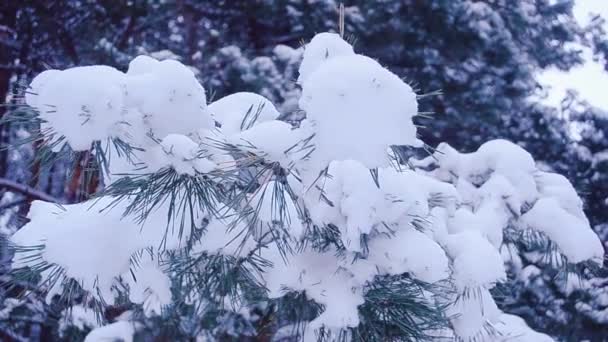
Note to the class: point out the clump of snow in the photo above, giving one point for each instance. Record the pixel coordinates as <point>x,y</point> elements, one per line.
<point>223,237</point>
<point>93,103</point>
<point>351,97</point>
<point>513,328</point>
<point>274,140</point>
<point>573,235</point>
<point>472,314</point>
<point>557,186</point>
<point>149,286</point>
<point>273,204</point>
<point>238,111</point>
<point>319,276</point>
<point>410,251</point>
<point>168,95</point>
<point>180,153</point>
<point>496,156</point>
<point>82,104</point>
<point>349,200</point>
<point>322,47</point>
<point>89,230</point>
<point>475,261</point>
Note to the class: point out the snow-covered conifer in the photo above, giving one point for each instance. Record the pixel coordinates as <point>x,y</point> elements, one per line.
<point>225,211</point>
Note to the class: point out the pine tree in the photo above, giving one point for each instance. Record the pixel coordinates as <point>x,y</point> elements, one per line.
<point>436,44</point>
<point>223,222</point>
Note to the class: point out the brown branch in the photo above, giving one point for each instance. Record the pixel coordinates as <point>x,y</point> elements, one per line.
<point>27,191</point>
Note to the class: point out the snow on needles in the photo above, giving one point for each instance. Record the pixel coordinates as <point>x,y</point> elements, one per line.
<point>441,222</point>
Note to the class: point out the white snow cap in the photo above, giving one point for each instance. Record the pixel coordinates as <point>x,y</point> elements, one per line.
<point>238,110</point>
<point>321,48</point>
<point>168,95</point>
<point>92,103</point>
<point>82,104</point>
<point>351,97</point>
<point>79,238</point>
<point>573,235</point>
<point>321,278</point>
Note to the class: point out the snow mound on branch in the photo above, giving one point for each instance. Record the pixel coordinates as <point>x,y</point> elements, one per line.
<point>82,104</point>
<point>573,235</point>
<point>409,251</point>
<point>168,95</point>
<point>497,180</point>
<point>496,156</point>
<point>181,154</point>
<point>476,263</point>
<point>321,48</point>
<point>319,276</point>
<point>557,186</point>
<point>89,230</point>
<point>274,140</point>
<point>515,329</point>
<point>93,103</point>
<point>237,111</point>
<point>32,95</point>
<point>350,97</point>
<point>348,199</point>
<point>148,285</point>
<point>472,314</point>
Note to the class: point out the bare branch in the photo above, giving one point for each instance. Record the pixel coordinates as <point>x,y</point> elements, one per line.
<point>27,191</point>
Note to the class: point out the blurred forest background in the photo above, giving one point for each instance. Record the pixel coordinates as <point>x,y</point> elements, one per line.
<point>478,59</point>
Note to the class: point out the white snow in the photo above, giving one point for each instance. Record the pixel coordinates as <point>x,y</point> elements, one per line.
<point>78,316</point>
<point>475,261</point>
<point>148,285</point>
<point>321,279</point>
<point>83,104</point>
<point>121,331</point>
<point>322,47</point>
<point>274,140</point>
<point>350,97</point>
<point>410,251</point>
<point>238,110</point>
<point>514,329</point>
<point>180,153</point>
<point>78,238</point>
<point>223,237</point>
<point>93,103</point>
<point>168,95</point>
<point>573,236</point>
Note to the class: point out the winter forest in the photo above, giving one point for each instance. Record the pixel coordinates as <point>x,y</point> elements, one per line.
<point>300,170</point>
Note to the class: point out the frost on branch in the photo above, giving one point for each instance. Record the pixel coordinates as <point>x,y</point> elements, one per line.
<point>224,207</point>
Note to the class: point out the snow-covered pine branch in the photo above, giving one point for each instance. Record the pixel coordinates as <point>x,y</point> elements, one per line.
<point>224,207</point>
